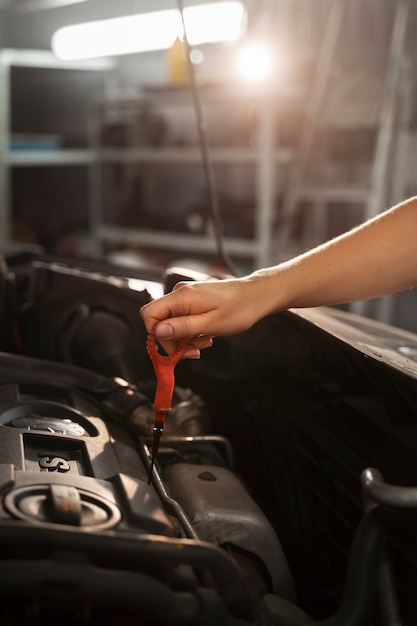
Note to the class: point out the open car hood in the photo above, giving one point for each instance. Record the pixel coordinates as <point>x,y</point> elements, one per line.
<point>392,346</point>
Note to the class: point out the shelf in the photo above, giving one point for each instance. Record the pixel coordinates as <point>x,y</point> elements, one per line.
<point>32,157</point>
<point>265,156</point>
<point>168,240</point>
<point>66,156</point>
<point>226,93</point>
<point>47,60</point>
<point>234,155</point>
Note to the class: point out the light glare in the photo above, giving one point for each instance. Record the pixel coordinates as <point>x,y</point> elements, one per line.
<point>197,56</point>
<point>148,32</point>
<point>255,62</point>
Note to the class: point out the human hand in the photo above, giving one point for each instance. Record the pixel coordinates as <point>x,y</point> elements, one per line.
<point>200,311</point>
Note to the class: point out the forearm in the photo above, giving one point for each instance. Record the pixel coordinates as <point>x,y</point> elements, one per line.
<point>374,259</point>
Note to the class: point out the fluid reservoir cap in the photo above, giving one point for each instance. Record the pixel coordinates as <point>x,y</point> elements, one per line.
<point>64,426</point>
<point>62,504</point>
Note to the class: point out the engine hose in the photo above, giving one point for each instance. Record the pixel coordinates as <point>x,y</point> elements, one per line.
<point>38,371</point>
<point>28,370</point>
<point>367,569</point>
<point>136,552</point>
<point>130,591</point>
<point>388,496</point>
<point>100,340</point>
<point>360,586</point>
<point>390,499</point>
<point>388,606</point>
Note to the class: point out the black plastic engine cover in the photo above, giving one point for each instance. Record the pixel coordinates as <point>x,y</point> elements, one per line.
<point>62,465</point>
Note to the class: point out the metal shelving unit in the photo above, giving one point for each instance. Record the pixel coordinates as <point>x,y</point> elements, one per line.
<point>266,157</point>
<point>30,158</point>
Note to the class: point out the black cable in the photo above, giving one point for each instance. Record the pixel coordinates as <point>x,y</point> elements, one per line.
<point>205,151</point>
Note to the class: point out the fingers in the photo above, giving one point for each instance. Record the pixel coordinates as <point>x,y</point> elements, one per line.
<point>158,319</point>
<point>185,312</point>
<point>202,342</point>
<point>194,347</point>
<point>178,327</point>
<point>198,311</point>
<point>169,306</point>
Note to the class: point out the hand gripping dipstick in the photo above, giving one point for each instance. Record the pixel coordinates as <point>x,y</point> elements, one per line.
<point>165,381</point>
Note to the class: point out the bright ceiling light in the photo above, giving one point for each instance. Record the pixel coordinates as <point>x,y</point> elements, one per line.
<point>121,35</point>
<point>255,61</point>
<point>212,23</point>
<point>146,32</point>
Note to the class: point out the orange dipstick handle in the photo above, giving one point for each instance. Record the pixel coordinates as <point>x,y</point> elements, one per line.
<point>164,370</point>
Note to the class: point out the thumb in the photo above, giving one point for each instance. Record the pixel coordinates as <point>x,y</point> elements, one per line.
<point>164,330</point>
<point>178,327</point>
<point>168,333</point>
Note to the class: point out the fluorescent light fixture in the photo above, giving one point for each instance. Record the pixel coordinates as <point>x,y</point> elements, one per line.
<point>147,32</point>
<point>212,23</point>
<point>35,5</point>
<point>122,35</point>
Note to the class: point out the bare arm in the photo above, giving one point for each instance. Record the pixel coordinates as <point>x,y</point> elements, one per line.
<point>376,258</point>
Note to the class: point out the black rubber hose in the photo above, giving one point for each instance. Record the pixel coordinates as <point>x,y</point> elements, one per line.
<point>102,341</point>
<point>388,606</point>
<point>387,496</point>
<point>130,591</point>
<point>136,552</point>
<point>359,594</point>
<point>31,370</point>
<point>120,396</point>
<point>366,564</point>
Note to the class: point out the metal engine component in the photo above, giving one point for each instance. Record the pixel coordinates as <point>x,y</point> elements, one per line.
<point>76,502</point>
<point>222,512</point>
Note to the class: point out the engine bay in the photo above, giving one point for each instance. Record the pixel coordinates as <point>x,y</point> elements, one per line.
<point>284,489</point>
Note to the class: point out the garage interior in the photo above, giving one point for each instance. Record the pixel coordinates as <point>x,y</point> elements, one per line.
<point>284,488</point>
<point>103,157</point>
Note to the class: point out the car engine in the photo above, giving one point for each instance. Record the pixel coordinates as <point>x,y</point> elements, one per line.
<point>283,492</point>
